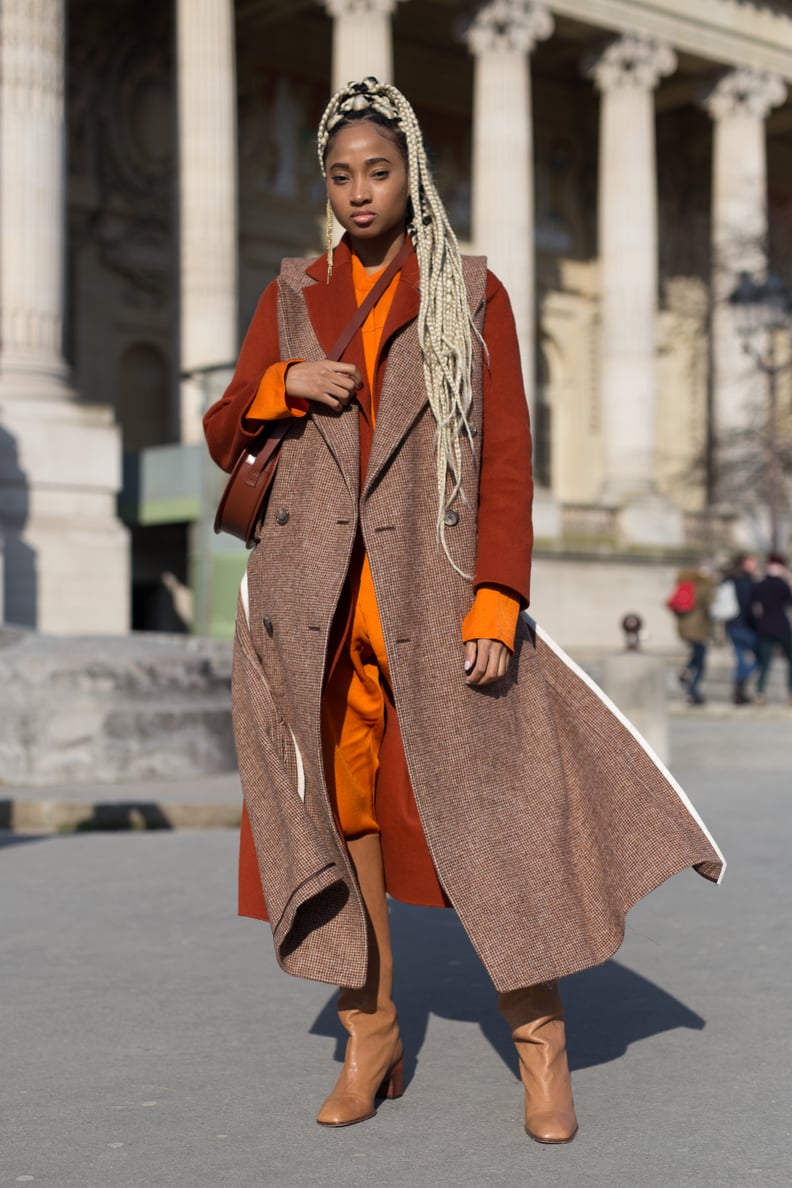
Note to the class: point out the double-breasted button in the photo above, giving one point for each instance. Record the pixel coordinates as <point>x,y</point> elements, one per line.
<point>267,625</point>
<point>281,516</point>
<point>451,517</point>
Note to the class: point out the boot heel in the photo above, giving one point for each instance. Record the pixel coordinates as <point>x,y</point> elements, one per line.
<point>393,1082</point>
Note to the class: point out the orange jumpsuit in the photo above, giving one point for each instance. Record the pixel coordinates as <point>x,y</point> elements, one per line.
<point>353,702</point>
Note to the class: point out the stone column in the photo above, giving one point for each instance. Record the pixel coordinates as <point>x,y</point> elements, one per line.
<point>626,73</point>
<point>31,212</point>
<point>66,563</point>
<point>362,42</point>
<point>501,37</point>
<point>207,98</point>
<point>739,104</point>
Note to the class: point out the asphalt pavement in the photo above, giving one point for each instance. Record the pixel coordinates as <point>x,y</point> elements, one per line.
<point>149,1040</point>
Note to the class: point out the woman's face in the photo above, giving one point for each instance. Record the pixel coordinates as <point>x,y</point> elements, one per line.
<point>367,185</point>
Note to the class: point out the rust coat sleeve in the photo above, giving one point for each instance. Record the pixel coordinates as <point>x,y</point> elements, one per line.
<point>505,534</point>
<point>227,433</point>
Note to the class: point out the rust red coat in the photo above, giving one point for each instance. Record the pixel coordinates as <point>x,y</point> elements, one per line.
<point>537,811</point>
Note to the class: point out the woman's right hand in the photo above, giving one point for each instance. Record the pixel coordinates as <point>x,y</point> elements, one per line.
<point>324,382</point>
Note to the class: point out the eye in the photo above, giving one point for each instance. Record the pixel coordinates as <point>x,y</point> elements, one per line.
<point>338,178</point>
<point>381,174</point>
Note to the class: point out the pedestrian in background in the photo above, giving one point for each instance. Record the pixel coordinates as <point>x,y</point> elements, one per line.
<point>772,600</point>
<point>741,628</point>
<point>691,603</point>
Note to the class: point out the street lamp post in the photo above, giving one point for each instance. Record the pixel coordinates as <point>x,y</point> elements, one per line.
<point>763,308</point>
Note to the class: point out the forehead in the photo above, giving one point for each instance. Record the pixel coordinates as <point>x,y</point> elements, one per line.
<point>361,140</point>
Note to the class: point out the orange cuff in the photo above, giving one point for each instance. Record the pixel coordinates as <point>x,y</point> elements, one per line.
<point>271,402</point>
<point>493,615</point>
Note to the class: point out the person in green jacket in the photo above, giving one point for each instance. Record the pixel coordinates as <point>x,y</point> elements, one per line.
<point>695,628</point>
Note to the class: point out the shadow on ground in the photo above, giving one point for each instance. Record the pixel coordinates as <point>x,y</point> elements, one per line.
<point>10,838</point>
<point>439,973</point>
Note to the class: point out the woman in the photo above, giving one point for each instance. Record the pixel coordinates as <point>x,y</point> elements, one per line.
<point>399,727</point>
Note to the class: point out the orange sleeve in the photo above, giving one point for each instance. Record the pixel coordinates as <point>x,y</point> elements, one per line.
<point>271,402</point>
<point>493,615</point>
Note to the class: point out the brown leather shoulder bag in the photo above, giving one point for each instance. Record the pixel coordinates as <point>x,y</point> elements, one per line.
<point>243,501</point>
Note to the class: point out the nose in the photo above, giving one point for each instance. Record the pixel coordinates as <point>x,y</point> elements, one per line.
<point>361,192</point>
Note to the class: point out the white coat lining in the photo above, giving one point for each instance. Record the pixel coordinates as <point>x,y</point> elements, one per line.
<point>244,595</point>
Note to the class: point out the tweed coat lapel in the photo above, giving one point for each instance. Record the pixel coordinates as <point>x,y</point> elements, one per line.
<point>330,308</point>
<point>399,404</point>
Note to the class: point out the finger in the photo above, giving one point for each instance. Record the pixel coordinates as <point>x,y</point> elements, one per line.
<point>339,379</point>
<point>351,370</point>
<point>327,400</point>
<point>479,669</point>
<point>497,661</point>
<point>470,655</point>
<point>342,395</point>
<point>490,673</point>
<point>493,662</point>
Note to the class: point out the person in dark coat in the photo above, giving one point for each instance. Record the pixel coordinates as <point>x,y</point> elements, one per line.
<point>772,602</point>
<point>741,629</point>
<point>402,726</point>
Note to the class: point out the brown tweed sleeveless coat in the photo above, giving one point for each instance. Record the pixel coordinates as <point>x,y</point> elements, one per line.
<point>545,816</point>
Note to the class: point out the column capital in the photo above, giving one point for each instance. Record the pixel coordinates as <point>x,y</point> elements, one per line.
<point>637,63</point>
<point>744,92</point>
<point>342,8</point>
<point>511,25</point>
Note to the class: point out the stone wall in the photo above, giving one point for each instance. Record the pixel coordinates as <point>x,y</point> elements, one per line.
<point>113,710</point>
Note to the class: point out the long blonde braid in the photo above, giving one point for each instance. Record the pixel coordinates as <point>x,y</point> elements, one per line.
<point>445,325</point>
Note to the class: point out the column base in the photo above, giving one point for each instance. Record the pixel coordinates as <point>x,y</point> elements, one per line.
<point>24,378</point>
<point>66,568</point>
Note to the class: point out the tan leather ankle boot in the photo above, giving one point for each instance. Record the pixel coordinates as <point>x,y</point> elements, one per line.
<point>373,1065</point>
<point>536,1018</point>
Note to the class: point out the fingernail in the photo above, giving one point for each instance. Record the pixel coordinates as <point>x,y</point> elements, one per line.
<point>468,665</point>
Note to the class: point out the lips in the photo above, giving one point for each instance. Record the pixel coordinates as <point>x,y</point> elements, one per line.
<point>362,218</point>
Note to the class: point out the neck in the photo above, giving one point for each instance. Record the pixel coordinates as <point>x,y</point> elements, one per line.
<point>375,254</point>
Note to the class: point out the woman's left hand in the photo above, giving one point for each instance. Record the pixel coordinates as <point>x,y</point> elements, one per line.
<point>485,661</point>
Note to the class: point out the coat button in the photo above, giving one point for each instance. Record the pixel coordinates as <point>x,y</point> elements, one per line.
<point>267,626</point>
<point>451,517</point>
<point>281,516</point>
<point>473,430</point>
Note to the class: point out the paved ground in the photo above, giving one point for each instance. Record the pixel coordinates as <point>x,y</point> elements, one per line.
<point>148,1040</point>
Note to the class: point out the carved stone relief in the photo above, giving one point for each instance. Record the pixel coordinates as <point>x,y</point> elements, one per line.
<point>121,141</point>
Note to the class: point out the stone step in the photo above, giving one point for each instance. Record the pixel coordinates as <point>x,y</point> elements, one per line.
<point>718,674</point>
<point>102,710</point>
<point>143,707</point>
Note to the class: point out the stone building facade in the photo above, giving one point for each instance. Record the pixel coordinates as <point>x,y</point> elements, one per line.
<point>619,162</point>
